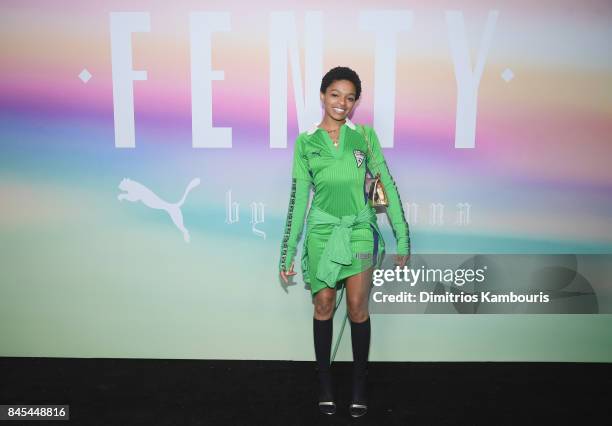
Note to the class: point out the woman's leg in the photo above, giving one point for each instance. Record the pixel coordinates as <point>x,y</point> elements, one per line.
<point>322,327</point>
<point>358,293</point>
<point>324,302</point>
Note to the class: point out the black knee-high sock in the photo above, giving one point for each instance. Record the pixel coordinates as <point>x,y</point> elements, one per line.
<point>322,332</point>
<point>360,337</point>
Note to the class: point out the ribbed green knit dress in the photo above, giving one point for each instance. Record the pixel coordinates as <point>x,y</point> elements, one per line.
<point>337,176</point>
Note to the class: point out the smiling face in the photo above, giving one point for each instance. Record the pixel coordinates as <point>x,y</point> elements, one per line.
<point>339,99</point>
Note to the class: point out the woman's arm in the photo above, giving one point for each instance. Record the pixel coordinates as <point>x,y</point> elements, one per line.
<point>298,202</point>
<point>377,164</point>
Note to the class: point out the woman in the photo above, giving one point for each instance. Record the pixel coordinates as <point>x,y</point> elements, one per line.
<point>341,232</point>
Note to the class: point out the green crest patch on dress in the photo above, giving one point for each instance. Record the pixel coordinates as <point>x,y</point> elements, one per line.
<point>359,156</point>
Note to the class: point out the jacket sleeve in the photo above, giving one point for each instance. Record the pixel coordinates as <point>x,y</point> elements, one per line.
<point>298,203</point>
<point>377,164</point>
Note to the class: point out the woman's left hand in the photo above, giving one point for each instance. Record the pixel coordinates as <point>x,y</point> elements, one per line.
<point>401,260</point>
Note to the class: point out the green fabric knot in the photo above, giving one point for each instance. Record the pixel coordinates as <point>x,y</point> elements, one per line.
<point>337,252</point>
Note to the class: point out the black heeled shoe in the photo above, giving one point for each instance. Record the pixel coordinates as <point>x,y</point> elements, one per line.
<point>327,405</point>
<point>358,410</point>
<point>359,404</point>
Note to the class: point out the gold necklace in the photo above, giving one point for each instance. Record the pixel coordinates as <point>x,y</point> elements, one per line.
<point>335,141</point>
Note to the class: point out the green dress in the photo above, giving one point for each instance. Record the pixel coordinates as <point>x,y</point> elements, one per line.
<point>342,238</point>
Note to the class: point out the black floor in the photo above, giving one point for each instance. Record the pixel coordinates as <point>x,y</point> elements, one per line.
<point>200,392</point>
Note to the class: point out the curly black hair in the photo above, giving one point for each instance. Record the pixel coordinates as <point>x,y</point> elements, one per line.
<point>341,73</point>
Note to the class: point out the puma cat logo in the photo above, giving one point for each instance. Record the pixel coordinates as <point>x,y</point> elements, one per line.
<point>359,156</point>
<point>135,191</point>
<point>311,154</point>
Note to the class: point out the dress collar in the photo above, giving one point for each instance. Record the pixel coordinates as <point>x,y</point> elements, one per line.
<point>315,126</point>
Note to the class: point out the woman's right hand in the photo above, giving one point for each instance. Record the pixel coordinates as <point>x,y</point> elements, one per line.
<point>285,275</point>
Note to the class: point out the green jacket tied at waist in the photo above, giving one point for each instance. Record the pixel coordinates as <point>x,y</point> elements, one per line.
<point>337,251</point>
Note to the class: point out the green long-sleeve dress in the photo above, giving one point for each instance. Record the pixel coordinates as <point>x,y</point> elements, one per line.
<point>342,237</point>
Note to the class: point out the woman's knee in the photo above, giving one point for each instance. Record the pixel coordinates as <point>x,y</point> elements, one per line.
<point>324,305</point>
<point>359,316</point>
<point>358,309</point>
<point>324,311</point>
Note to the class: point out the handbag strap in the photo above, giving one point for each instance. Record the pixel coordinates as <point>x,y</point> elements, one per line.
<point>367,139</point>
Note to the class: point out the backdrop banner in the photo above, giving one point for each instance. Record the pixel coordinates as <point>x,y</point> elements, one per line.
<point>145,173</point>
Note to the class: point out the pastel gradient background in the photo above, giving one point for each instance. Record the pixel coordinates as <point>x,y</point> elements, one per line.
<point>84,275</point>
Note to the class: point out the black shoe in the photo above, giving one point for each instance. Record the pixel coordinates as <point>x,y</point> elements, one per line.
<point>359,404</point>
<point>327,405</point>
<point>358,410</point>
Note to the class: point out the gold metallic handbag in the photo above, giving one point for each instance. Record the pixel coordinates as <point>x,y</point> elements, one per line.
<point>377,196</point>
